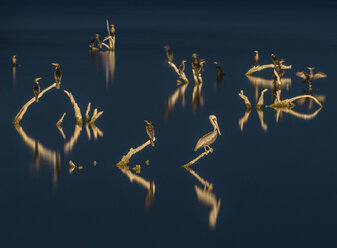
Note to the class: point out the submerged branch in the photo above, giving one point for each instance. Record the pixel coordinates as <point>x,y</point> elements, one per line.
<point>24,108</point>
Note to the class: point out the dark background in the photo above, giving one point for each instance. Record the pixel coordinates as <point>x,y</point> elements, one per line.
<point>277,188</point>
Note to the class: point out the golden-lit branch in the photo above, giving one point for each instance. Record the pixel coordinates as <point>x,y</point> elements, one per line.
<point>111,39</point>
<point>88,130</point>
<point>24,108</point>
<point>247,102</point>
<point>244,118</point>
<point>288,103</point>
<point>262,67</point>
<point>95,116</point>
<point>77,110</point>
<point>260,102</point>
<point>181,75</point>
<point>96,131</point>
<point>68,147</point>
<point>87,117</point>
<point>210,150</point>
<point>60,120</point>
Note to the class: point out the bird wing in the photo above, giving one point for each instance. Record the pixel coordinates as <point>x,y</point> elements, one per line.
<point>319,74</point>
<point>302,74</point>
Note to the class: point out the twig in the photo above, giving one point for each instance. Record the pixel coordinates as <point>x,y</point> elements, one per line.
<point>87,117</point>
<point>210,150</point>
<point>24,108</point>
<point>247,102</point>
<point>260,102</point>
<point>58,124</point>
<point>181,75</point>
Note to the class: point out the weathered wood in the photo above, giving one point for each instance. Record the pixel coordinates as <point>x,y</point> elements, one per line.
<point>262,67</point>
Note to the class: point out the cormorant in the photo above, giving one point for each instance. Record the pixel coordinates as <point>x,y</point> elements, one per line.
<point>210,137</point>
<point>182,67</point>
<point>150,131</point>
<point>279,69</point>
<point>274,59</point>
<point>218,69</point>
<point>197,64</point>
<point>112,30</point>
<point>308,77</point>
<point>14,61</point>
<point>169,53</point>
<point>256,58</point>
<point>92,42</point>
<point>36,89</point>
<point>99,40</point>
<point>57,75</point>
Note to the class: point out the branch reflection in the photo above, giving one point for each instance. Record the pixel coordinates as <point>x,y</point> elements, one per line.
<point>197,97</point>
<point>179,93</point>
<point>105,60</point>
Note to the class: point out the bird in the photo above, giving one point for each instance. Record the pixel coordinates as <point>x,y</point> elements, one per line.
<point>308,77</point>
<point>112,30</point>
<point>99,40</point>
<point>92,42</point>
<point>210,137</point>
<point>169,53</point>
<point>57,75</point>
<point>197,64</point>
<point>274,59</point>
<point>182,67</point>
<point>14,61</point>
<point>279,69</point>
<point>150,131</point>
<point>218,69</point>
<point>36,89</point>
<point>256,58</point>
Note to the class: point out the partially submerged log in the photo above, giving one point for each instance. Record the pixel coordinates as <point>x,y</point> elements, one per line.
<point>24,108</point>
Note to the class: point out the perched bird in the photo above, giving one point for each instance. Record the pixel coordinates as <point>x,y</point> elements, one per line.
<point>150,131</point>
<point>274,59</point>
<point>92,42</point>
<point>197,64</point>
<point>169,53</point>
<point>112,30</point>
<point>209,138</point>
<point>57,75</point>
<point>14,61</point>
<point>36,89</point>
<point>308,77</point>
<point>218,69</point>
<point>99,40</point>
<point>279,69</point>
<point>256,58</point>
<point>182,67</point>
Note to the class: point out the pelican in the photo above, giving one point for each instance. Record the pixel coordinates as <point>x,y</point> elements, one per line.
<point>210,137</point>
<point>256,58</point>
<point>274,59</point>
<point>92,42</point>
<point>150,131</point>
<point>99,40</point>
<point>218,69</point>
<point>36,89</point>
<point>14,61</point>
<point>169,53</point>
<point>308,77</point>
<point>57,75</point>
<point>182,66</point>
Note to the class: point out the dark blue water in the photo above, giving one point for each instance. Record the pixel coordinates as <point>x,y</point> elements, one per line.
<point>275,186</point>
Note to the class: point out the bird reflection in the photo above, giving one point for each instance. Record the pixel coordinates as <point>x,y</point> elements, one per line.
<point>179,93</point>
<point>40,152</point>
<point>105,60</point>
<point>14,76</point>
<point>220,75</point>
<point>206,196</point>
<point>197,97</point>
<point>259,82</point>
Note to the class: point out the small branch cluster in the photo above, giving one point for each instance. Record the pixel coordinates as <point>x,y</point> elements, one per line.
<point>111,38</point>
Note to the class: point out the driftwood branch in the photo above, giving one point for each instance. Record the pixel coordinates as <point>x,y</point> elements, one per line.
<point>24,108</point>
<point>247,102</point>
<point>181,75</point>
<point>260,102</point>
<point>288,103</point>
<point>77,110</point>
<point>262,67</point>
<point>210,150</point>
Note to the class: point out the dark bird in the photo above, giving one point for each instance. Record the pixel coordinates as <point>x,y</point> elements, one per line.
<point>99,40</point>
<point>274,59</point>
<point>308,77</point>
<point>256,58</point>
<point>36,89</point>
<point>169,53</point>
<point>279,69</point>
<point>218,69</point>
<point>209,138</point>
<point>112,30</point>
<point>14,61</point>
<point>150,131</point>
<point>57,75</point>
<point>182,67</point>
<point>197,64</point>
<point>92,42</point>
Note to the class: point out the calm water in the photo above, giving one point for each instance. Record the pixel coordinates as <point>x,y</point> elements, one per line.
<point>273,185</point>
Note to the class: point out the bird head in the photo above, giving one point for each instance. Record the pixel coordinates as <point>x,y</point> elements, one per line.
<point>148,122</point>
<point>311,68</point>
<point>167,47</point>
<point>56,64</point>
<point>194,55</point>
<point>216,62</point>
<point>14,56</point>
<point>37,79</point>
<point>213,120</point>
<point>281,61</point>
<point>183,61</point>
<point>256,51</point>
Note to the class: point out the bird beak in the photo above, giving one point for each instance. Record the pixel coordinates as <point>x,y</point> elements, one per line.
<point>217,127</point>
<point>54,64</point>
